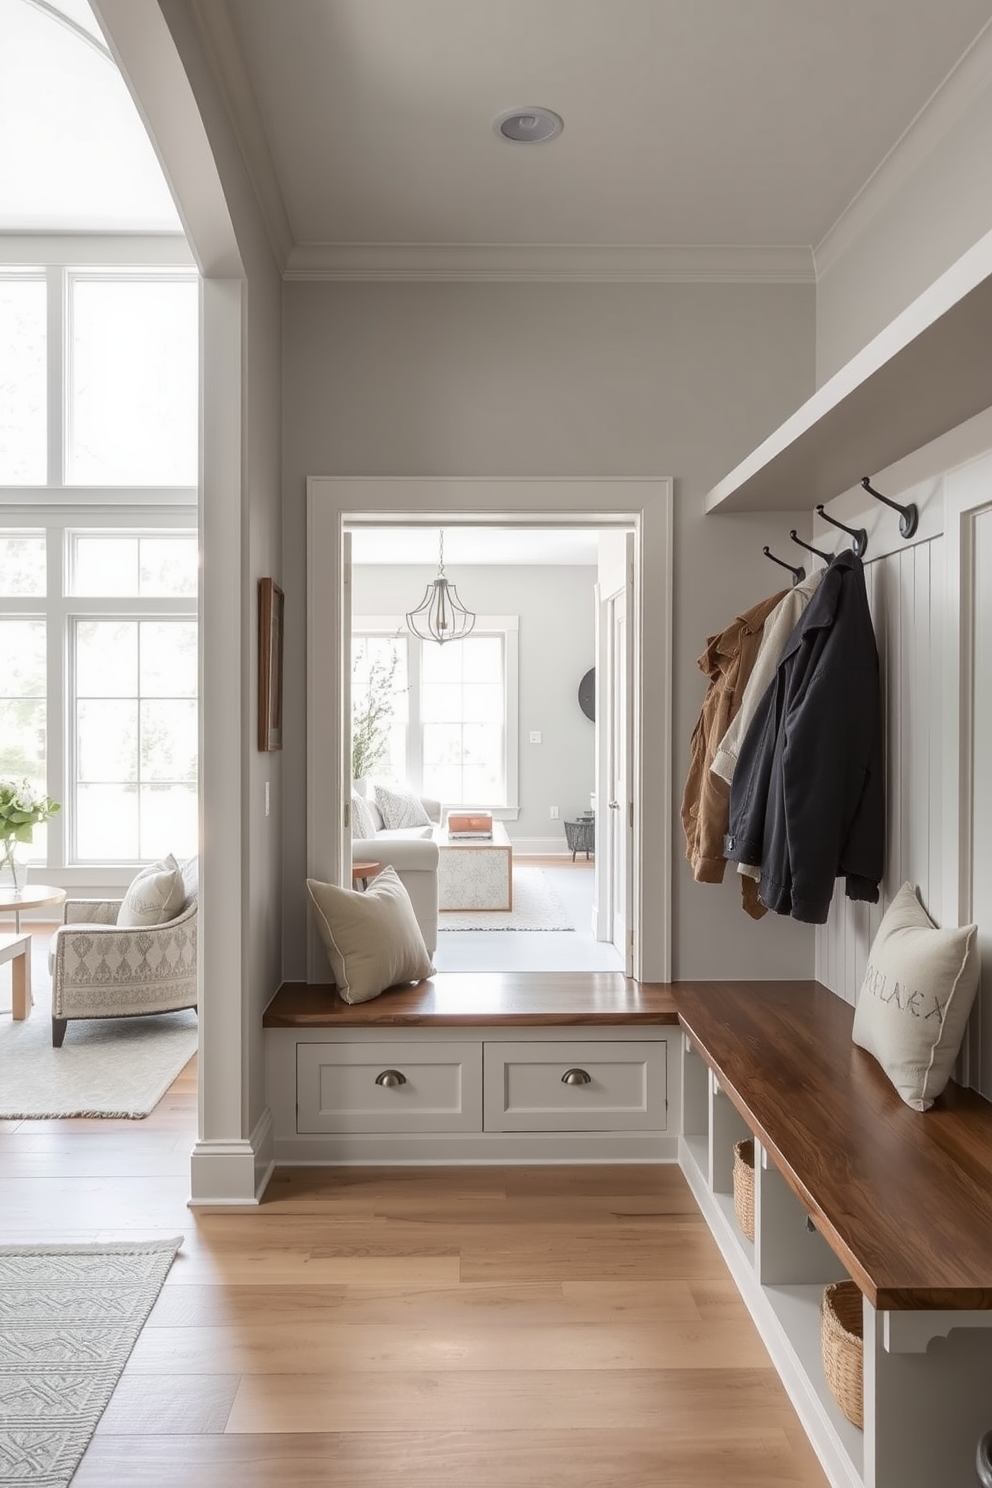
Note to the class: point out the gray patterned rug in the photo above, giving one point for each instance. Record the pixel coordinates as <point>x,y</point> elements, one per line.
<point>69,1317</point>
<point>106,1067</point>
<point>536,906</point>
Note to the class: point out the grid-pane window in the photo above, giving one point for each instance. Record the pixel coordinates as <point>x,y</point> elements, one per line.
<point>23,710</point>
<point>23,381</point>
<point>462,714</point>
<point>132,381</point>
<point>380,692</point>
<point>23,571</point>
<point>135,717</point>
<point>122,564</point>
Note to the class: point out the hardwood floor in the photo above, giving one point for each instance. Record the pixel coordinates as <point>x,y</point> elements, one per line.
<point>438,1328</point>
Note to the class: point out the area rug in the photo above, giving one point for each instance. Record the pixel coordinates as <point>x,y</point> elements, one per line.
<point>106,1067</point>
<point>69,1317</point>
<point>536,906</point>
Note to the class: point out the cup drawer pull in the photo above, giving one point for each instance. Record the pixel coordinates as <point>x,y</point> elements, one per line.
<point>390,1078</point>
<point>576,1077</point>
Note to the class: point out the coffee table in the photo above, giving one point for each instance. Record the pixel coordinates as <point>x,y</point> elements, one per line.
<point>31,896</point>
<point>475,874</point>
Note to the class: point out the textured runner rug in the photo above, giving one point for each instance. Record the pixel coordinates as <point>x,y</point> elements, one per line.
<point>536,906</point>
<point>106,1067</point>
<point>69,1317</point>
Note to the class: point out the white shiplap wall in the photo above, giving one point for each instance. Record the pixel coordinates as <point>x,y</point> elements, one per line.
<point>905,592</point>
<point>915,611</point>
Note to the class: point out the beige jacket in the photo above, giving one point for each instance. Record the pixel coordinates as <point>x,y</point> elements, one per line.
<point>777,629</point>
<point>727,662</point>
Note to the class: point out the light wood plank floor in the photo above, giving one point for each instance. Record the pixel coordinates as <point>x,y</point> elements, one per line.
<point>438,1328</point>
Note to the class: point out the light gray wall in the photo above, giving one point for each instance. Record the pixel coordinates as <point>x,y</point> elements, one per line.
<point>929,213</point>
<point>555,606</point>
<point>578,379</point>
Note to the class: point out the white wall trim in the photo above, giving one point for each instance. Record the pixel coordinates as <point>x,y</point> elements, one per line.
<point>646,505</point>
<point>553,262</point>
<point>168,250</point>
<point>233,1172</point>
<point>967,494</point>
<point>969,77</point>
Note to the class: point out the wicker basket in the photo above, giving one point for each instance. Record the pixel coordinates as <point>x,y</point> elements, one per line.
<point>744,1185</point>
<point>841,1339</point>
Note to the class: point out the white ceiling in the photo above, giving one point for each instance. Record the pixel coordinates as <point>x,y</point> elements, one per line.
<point>720,123</point>
<point>463,546</point>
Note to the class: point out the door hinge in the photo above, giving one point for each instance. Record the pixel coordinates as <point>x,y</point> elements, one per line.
<point>630,814</point>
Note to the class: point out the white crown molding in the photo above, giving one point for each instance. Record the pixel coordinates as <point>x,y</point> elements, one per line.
<point>552,262</point>
<point>969,77</point>
<point>220,40</point>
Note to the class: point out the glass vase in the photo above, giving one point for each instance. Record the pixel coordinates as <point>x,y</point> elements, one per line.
<point>13,864</point>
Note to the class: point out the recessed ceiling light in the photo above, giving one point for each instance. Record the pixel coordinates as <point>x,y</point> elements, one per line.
<point>528,126</point>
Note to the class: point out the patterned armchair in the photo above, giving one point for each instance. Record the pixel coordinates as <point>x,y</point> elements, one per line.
<point>100,971</point>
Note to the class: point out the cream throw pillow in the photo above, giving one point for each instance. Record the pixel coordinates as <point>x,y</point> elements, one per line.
<point>362,821</point>
<point>400,809</point>
<point>154,896</point>
<point>372,940</point>
<point>915,999</point>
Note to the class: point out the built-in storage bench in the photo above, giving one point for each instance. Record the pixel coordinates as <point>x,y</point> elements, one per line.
<point>848,1182</point>
<point>475,1068</point>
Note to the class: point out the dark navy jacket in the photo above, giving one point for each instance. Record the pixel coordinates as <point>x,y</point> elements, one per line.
<point>807,801</point>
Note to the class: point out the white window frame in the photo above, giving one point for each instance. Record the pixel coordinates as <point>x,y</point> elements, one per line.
<point>60,609</point>
<point>507,627</point>
<point>58,509</point>
<point>60,265</point>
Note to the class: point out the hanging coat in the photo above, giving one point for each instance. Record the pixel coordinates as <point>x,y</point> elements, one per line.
<point>807,800</point>
<point>727,662</point>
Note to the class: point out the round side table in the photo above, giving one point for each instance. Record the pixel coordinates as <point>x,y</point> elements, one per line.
<point>362,872</point>
<point>29,897</point>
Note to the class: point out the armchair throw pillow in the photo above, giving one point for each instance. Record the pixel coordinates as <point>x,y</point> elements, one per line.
<point>154,896</point>
<point>915,999</point>
<point>399,809</point>
<point>372,939</point>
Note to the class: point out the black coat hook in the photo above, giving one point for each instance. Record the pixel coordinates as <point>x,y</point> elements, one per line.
<point>859,534</point>
<point>909,518</point>
<point>798,574</point>
<point>827,557</point>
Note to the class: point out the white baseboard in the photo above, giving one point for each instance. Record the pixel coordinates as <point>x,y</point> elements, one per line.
<point>427,1149</point>
<point>233,1172</point>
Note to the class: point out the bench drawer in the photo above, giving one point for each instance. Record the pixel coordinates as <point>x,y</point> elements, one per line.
<point>525,1089</point>
<point>440,1089</point>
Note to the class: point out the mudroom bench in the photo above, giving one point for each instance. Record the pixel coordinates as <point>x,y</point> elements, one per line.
<point>475,1068</point>
<point>849,1182</point>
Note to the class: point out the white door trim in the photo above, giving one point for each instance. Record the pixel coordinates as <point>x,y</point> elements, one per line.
<point>645,505</point>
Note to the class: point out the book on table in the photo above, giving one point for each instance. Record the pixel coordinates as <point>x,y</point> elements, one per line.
<point>470,836</point>
<point>470,824</point>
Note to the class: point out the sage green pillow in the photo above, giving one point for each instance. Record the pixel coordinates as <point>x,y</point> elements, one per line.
<point>915,999</point>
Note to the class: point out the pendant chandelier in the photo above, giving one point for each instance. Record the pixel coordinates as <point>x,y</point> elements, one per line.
<point>440,615</point>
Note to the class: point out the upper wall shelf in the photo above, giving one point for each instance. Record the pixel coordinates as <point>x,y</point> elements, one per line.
<point>927,371</point>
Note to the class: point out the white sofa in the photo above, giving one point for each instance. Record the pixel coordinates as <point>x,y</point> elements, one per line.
<point>414,854</point>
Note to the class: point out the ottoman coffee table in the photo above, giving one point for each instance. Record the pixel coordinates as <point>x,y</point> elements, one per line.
<point>475,874</point>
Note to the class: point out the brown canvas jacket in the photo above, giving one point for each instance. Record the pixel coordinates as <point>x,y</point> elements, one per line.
<point>727,661</point>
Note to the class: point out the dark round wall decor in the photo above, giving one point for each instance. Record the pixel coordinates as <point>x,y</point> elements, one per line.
<point>587,694</point>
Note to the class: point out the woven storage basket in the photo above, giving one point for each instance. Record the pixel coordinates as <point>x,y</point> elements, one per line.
<point>744,1185</point>
<point>841,1339</point>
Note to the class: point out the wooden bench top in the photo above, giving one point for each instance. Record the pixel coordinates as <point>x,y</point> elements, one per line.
<point>904,1198</point>
<point>474,999</point>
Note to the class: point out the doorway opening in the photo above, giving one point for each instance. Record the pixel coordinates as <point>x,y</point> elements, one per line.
<point>517,723</point>
<point>632,519</point>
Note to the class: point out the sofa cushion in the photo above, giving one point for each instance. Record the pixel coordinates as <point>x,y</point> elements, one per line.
<point>400,809</point>
<point>363,823</point>
<point>372,939</point>
<point>915,1000</point>
<point>154,896</point>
